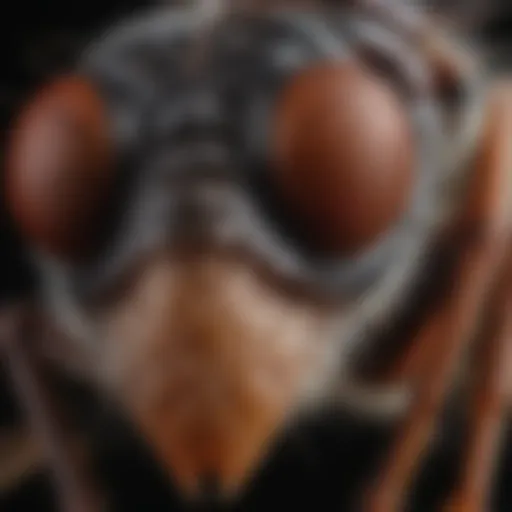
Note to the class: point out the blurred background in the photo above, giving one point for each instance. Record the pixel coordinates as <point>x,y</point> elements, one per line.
<point>320,467</point>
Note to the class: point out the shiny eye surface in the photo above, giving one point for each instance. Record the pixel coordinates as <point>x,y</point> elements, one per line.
<point>59,168</point>
<point>343,156</point>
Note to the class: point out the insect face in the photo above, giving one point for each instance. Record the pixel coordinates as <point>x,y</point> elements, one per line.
<point>222,240</point>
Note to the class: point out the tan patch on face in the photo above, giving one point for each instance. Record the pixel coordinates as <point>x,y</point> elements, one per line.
<point>211,362</point>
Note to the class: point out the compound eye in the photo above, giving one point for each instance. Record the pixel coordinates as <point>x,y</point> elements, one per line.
<point>343,156</point>
<point>60,168</point>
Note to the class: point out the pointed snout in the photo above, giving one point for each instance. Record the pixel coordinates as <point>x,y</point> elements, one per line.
<point>210,438</point>
<point>211,362</point>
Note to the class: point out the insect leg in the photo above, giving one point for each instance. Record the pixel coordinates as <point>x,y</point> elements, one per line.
<point>483,246</point>
<point>75,495</point>
<point>492,367</point>
<point>450,329</point>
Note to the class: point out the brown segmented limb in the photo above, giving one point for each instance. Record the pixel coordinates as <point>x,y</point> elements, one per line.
<point>487,198</point>
<point>490,379</point>
<point>491,386</point>
<point>451,327</point>
<point>74,492</point>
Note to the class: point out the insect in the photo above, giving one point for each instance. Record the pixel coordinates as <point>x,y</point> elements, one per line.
<point>233,215</point>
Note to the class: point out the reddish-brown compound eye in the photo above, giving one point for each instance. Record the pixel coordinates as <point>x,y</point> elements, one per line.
<point>60,168</point>
<point>343,156</point>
